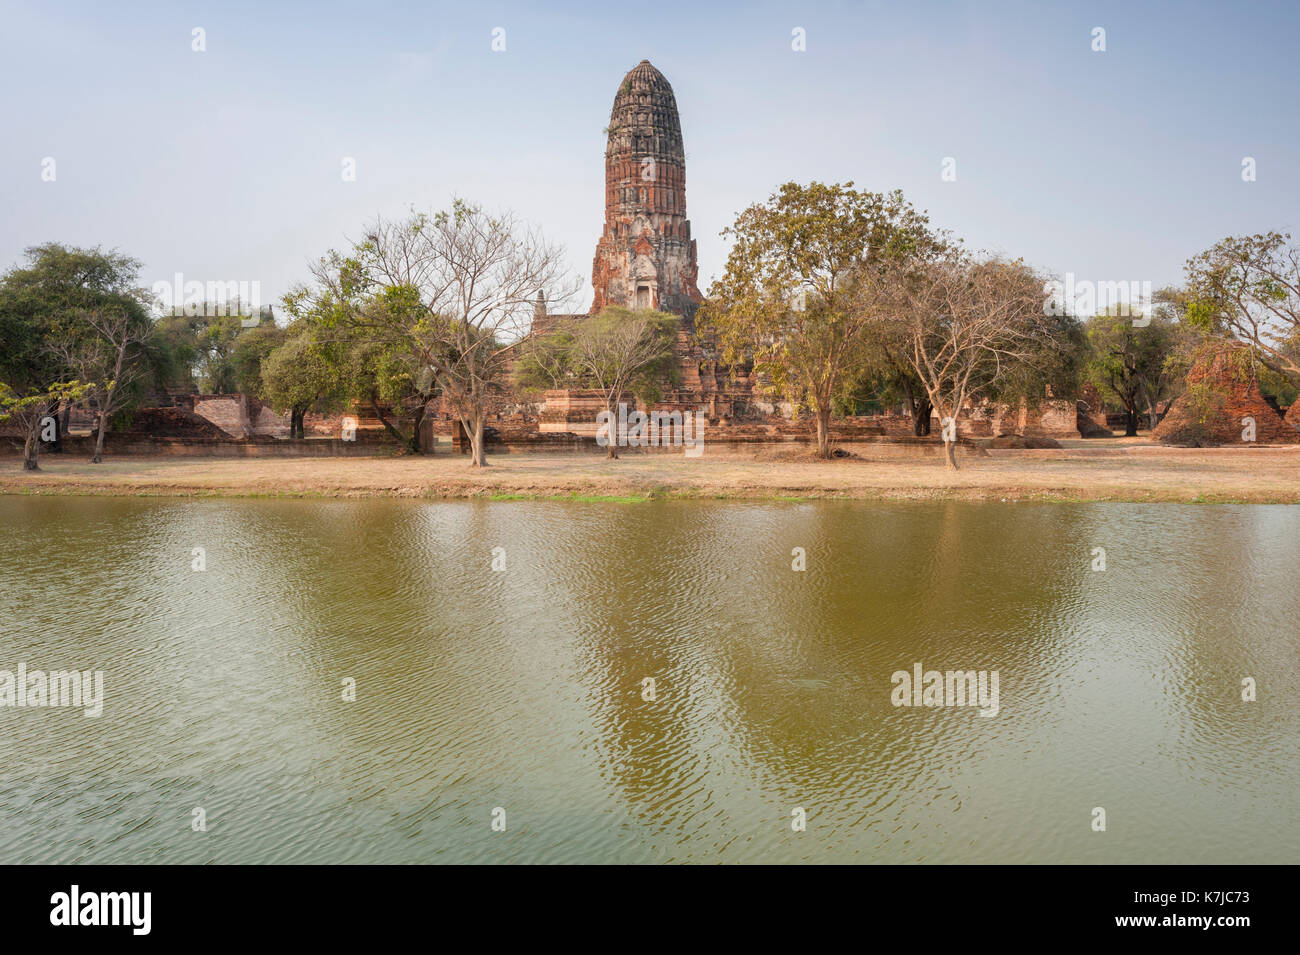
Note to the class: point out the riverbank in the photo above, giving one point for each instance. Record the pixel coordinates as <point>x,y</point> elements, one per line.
<point>1082,471</point>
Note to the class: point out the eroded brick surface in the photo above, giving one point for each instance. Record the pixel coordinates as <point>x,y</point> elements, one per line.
<point>645,257</point>
<point>1227,369</point>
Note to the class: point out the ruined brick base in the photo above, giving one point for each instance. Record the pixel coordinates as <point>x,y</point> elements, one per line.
<point>1226,368</point>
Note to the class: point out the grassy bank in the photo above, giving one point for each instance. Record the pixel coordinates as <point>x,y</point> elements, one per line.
<point>1093,472</point>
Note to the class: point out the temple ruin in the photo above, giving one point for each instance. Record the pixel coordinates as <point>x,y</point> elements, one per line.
<point>1223,404</point>
<point>645,256</point>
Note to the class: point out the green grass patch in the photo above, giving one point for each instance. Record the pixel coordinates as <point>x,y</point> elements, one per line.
<point>601,498</point>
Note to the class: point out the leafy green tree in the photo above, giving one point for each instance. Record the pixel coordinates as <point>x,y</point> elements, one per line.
<point>35,412</point>
<point>215,341</point>
<point>299,375</point>
<point>46,301</point>
<point>176,353</point>
<point>209,349</point>
<point>880,383</point>
<point>886,378</point>
<point>386,376</point>
<point>545,362</point>
<point>796,294</point>
<point>251,349</point>
<point>454,289</point>
<point>1054,361</point>
<point>1132,362</point>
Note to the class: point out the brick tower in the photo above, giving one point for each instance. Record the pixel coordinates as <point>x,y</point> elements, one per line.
<point>645,257</point>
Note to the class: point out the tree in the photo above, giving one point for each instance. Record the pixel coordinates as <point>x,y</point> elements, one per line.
<point>1131,362</point>
<point>102,349</point>
<point>35,413</point>
<point>793,294</point>
<point>968,324</point>
<point>888,377</point>
<point>453,289</point>
<point>615,352</point>
<point>297,376</point>
<point>207,347</point>
<point>1248,287</point>
<point>546,362</point>
<point>215,341</point>
<point>386,375</point>
<point>44,301</point>
<point>251,349</point>
<point>1053,364</point>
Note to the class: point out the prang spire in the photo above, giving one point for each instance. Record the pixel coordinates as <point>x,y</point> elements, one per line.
<point>645,257</point>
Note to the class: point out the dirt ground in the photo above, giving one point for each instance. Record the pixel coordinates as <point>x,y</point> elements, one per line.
<point>1110,470</point>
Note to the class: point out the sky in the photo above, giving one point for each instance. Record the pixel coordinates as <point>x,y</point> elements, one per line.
<point>227,164</point>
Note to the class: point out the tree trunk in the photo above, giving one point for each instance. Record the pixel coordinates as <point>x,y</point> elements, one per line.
<point>824,433</point>
<point>1130,423</point>
<point>950,455</point>
<point>611,449</point>
<point>418,419</point>
<point>1152,416</point>
<point>105,409</point>
<point>32,447</point>
<point>101,425</point>
<point>56,446</point>
<point>388,425</point>
<point>478,459</point>
<point>921,410</point>
<point>62,428</point>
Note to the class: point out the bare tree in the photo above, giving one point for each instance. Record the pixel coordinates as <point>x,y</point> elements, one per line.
<point>100,356</point>
<point>617,352</point>
<point>621,350</point>
<point>966,324</point>
<point>455,288</point>
<point>1249,288</point>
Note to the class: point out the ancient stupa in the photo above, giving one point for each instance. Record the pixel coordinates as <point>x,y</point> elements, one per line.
<point>1224,378</point>
<point>645,257</point>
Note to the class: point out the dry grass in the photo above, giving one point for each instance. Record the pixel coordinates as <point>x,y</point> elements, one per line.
<point>1122,470</point>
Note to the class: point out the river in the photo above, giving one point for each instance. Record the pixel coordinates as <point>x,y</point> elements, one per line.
<point>518,695</point>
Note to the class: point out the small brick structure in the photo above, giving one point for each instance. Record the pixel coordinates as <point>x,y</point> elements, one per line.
<point>1090,414</point>
<point>574,411</point>
<point>174,423</point>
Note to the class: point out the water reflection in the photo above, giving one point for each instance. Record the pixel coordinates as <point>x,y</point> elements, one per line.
<point>522,689</point>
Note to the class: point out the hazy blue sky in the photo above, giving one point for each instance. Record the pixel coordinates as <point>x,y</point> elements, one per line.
<point>226,164</point>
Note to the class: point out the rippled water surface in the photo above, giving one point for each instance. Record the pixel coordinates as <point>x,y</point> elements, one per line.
<point>522,689</point>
